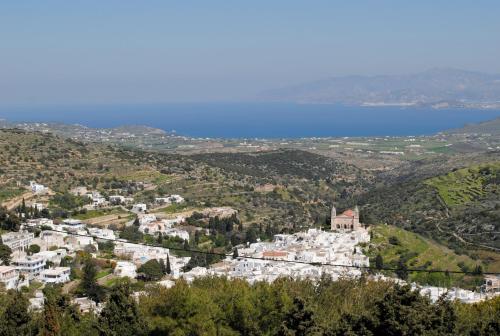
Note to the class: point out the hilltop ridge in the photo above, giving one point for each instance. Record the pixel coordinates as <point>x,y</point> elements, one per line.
<point>438,87</point>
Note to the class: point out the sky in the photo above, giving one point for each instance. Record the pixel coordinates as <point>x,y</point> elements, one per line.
<point>108,52</point>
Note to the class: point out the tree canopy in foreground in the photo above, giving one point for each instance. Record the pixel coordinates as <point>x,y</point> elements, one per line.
<point>218,306</point>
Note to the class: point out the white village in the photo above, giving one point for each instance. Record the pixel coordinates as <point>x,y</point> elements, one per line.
<point>311,254</point>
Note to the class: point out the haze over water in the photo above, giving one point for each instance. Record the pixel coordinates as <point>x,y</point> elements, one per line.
<point>260,120</point>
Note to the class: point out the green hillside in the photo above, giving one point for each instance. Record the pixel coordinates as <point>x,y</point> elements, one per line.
<point>468,184</point>
<point>459,209</point>
<point>395,244</point>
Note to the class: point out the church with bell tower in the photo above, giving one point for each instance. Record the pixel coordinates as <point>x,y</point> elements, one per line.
<point>346,221</point>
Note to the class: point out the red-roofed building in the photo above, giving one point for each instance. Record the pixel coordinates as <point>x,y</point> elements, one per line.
<point>276,255</point>
<point>348,220</point>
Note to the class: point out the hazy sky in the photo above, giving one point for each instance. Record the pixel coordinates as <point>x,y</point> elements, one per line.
<point>103,51</point>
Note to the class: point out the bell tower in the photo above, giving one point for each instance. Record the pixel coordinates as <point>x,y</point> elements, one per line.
<point>332,217</point>
<point>356,224</point>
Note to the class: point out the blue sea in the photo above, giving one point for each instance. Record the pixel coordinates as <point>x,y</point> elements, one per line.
<point>259,120</point>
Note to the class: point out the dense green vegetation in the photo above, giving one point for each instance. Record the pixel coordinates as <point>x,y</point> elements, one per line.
<point>217,306</point>
<point>279,164</point>
<point>468,184</point>
<point>395,245</point>
<point>460,209</point>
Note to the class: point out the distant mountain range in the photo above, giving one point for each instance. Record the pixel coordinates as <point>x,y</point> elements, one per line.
<point>439,87</point>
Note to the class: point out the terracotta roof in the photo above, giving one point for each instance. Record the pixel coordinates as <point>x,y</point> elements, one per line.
<point>275,254</point>
<point>348,213</point>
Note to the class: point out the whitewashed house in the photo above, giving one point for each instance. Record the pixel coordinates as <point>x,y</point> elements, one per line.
<point>50,239</point>
<point>78,243</point>
<point>97,199</point>
<point>9,277</point>
<point>18,241</point>
<point>165,227</point>
<point>146,218</point>
<point>86,305</point>
<point>102,233</point>
<point>30,266</point>
<point>179,233</point>
<point>116,199</point>
<point>38,222</point>
<point>54,256</point>
<point>55,275</point>
<point>72,225</point>
<point>37,188</point>
<point>139,207</point>
<point>172,199</point>
<point>125,269</point>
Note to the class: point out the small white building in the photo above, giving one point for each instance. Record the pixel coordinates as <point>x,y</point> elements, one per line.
<point>162,200</point>
<point>174,232</point>
<point>97,199</point>
<point>38,222</point>
<point>140,254</point>
<point>54,256</point>
<point>56,275</point>
<point>78,243</point>
<point>139,207</point>
<point>72,224</point>
<point>172,199</point>
<point>166,283</point>
<point>86,305</point>
<point>176,198</point>
<point>37,188</point>
<point>9,276</point>
<point>116,199</point>
<point>102,233</point>
<point>50,239</point>
<point>164,226</point>
<point>146,218</point>
<point>18,241</point>
<point>30,266</point>
<point>125,269</point>
<point>37,206</point>
<point>491,284</point>
<point>152,228</point>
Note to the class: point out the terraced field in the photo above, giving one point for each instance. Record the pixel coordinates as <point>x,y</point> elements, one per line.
<point>393,243</point>
<point>466,185</point>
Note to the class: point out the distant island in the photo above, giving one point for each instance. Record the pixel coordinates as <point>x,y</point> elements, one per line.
<point>437,88</point>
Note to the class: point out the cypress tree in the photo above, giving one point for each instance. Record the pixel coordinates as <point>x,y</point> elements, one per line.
<point>402,270</point>
<point>23,206</point>
<point>168,268</point>
<point>162,266</point>
<point>379,262</point>
<point>51,315</point>
<point>89,284</point>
